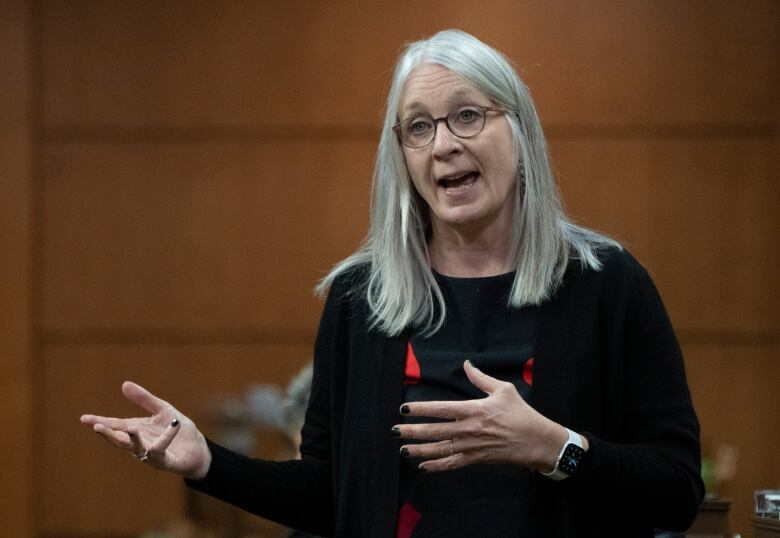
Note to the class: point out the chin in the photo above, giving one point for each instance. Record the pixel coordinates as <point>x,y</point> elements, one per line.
<point>459,218</point>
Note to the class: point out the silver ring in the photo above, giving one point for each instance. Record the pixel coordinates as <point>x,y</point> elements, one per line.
<point>451,449</point>
<point>143,458</point>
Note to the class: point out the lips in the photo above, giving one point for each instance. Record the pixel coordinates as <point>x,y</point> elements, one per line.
<point>459,180</point>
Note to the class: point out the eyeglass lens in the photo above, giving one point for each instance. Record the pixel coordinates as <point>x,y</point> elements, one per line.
<point>465,122</point>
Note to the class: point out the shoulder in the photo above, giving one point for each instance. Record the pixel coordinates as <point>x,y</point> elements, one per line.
<point>619,263</point>
<point>619,274</point>
<point>350,282</point>
<point>343,301</point>
<point>346,296</point>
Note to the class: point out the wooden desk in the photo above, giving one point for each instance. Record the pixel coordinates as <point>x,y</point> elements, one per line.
<point>712,521</point>
<point>764,527</point>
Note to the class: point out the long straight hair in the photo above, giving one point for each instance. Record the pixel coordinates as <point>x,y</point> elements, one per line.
<point>401,289</point>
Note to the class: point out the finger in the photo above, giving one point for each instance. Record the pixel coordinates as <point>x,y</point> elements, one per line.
<point>438,431</point>
<point>160,445</point>
<point>117,438</point>
<point>143,398</point>
<point>481,380</point>
<point>439,449</point>
<point>109,422</point>
<point>450,410</point>
<point>136,445</point>
<point>477,449</point>
<point>450,463</point>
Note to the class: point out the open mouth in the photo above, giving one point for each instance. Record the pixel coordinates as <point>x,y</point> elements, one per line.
<point>458,183</point>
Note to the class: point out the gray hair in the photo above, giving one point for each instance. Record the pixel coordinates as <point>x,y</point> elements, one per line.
<point>401,289</point>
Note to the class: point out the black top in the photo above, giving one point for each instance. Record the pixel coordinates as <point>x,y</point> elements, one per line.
<point>607,365</point>
<point>477,500</point>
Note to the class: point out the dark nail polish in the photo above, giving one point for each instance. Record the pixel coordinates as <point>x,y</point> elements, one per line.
<point>395,431</point>
<point>175,422</point>
<point>404,452</point>
<point>405,410</point>
<point>422,469</point>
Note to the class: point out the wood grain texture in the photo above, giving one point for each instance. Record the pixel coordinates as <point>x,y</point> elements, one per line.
<point>214,236</point>
<point>198,236</point>
<point>700,214</point>
<point>203,164</point>
<point>734,390</point>
<point>309,63</point>
<point>17,413</point>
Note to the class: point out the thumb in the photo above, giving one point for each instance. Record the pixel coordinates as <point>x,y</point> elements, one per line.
<point>481,380</point>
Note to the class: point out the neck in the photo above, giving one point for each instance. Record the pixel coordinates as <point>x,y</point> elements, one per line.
<point>469,252</point>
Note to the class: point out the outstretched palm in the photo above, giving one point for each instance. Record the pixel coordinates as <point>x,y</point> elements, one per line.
<point>165,439</point>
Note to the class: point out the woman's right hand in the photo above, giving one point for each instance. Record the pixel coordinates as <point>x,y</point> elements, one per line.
<point>166,440</point>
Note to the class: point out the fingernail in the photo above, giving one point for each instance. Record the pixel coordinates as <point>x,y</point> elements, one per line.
<point>469,363</point>
<point>405,410</point>
<point>423,469</point>
<point>174,422</point>
<point>404,452</point>
<point>395,431</point>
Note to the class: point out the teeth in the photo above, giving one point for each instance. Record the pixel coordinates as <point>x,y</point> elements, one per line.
<point>456,182</point>
<point>460,176</point>
<point>450,181</point>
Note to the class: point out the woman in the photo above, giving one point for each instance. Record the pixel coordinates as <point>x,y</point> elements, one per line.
<point>483,366</point>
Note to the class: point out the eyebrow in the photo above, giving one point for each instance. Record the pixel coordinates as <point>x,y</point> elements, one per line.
<point>458,97</point>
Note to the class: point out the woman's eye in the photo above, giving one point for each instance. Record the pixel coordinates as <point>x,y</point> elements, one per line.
<point>467,115</point>
<point>417,127</point>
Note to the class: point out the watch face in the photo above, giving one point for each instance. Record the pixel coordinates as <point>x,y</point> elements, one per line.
<point>570,459</point>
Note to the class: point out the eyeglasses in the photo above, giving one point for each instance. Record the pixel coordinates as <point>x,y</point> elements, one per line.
<point>464,122</point>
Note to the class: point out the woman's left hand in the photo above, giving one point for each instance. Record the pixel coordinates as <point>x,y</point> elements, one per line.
<point>501,428</point>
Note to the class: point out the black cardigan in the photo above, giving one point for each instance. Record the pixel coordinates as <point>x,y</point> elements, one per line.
<point>607,365</point>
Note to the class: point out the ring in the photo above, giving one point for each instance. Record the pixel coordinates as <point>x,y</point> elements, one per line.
<point>451,449</point>
<point>143,458</point>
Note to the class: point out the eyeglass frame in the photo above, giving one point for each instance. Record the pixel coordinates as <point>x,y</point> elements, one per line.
<point>484,109</point>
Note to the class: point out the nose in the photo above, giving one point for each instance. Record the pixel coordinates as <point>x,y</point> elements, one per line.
<point>445,143</point>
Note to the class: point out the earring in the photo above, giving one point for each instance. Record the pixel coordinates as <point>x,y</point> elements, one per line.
<point>521,172</point>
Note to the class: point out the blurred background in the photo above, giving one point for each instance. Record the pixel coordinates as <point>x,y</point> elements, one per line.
<point>176,176</point>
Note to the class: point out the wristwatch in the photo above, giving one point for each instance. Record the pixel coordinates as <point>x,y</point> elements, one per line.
<point>569,458</point>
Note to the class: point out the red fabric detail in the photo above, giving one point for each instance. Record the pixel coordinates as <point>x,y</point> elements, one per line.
<point>408,517</point>
<point>412,370</point>
<point>528,371</point>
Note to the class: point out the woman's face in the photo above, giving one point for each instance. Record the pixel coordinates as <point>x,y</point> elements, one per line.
<point>467,182</point>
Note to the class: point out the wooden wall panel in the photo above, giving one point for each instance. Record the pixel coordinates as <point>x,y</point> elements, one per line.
<point>210,235</point>
<point>204,163</point>
<point>17,412</point>
<point>92,490</point>
<point>700,213</point>
<point>310,63</point>
<point>190,237</point>
<point>734,388</point>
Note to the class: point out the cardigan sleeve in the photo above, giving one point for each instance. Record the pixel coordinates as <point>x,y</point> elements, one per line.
<point>296,493</point>
<point>650,466</point>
